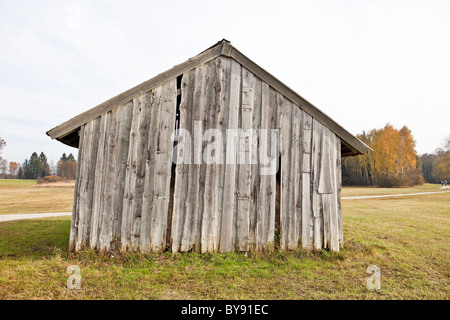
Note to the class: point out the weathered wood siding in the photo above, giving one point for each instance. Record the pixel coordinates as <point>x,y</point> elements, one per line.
<point>224,196</point>
<point>124,170</point>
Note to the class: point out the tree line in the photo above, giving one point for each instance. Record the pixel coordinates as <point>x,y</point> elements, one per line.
<point>38,167</point>
<point>436,167</point>
<point>394,161</point>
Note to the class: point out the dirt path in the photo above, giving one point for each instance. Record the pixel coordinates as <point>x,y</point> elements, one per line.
<point>391,195</point>
<point>10,217</point>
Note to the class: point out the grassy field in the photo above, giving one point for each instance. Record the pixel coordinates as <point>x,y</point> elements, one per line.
<point>406,237</point>
<point>369,191</point>
<point>26,196</point>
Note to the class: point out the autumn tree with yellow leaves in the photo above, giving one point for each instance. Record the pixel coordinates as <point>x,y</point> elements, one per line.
<point>391,163</point>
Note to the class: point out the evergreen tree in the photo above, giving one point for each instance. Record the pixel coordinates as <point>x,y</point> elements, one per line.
<point>44,165</point>
<point>34,169</point>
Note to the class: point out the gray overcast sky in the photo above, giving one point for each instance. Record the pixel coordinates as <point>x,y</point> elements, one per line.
<point>364,63</point>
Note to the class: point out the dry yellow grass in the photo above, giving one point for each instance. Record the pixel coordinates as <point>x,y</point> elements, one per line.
<point>371,191</point>
<point>26,196</point>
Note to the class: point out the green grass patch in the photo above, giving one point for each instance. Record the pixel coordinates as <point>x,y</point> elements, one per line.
<point>406,238</point>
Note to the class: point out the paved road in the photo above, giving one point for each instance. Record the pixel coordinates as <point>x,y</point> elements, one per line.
<point>391,195</point>
<point>9,217</point>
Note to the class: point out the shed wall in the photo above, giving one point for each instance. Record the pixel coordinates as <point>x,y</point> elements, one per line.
<point>123,197</point>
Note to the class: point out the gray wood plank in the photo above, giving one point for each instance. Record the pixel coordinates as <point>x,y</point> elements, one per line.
<point>84,182</point>
<point>338,191</point>
<point>316,200</point>
<point>99,182</point>
<point>142,103</point>
<point>334,228</point>
<point>148,211</point>
<point>223,96</point>
<point>166,100</point>
<point>121,130</point>
<point>211,158</point>
<point>184,158</point>
<point>130,196</point>
<point>286,147</point>
<point>192,207</point>
<point>255,173</point>
<point>295,180</point>
<point>75,208</point>
<point>245,166</point>
<point>229,192</point>
<point>107,219</point>
<point>307,214</point>
<point>91,179</point>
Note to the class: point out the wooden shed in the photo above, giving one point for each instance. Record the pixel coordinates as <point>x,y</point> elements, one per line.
<point>132,191</point>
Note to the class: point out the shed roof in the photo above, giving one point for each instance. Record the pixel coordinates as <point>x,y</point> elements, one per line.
<point>67,132</point>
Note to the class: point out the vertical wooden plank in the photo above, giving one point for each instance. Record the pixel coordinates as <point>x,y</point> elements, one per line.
<point>325,187</point>
<point>142,103</point>
<point>273,153</point>
<point>255,174</point>
<point>184,158</point>
<point>107,212</point>
<point>325,183</point>
<point>76,195</point>
<point>130,196</point>
<point>334,228</point>
<point>266,189</point>
<point>229,192</point>
<point>121,134</point>
<point>338,191</point>
<point>148,210</point>
<point>326,207</point>
<point>166,99</point>
<point>306,130</point>
<point>286,144</point>
<point>245,167</point>
<point>222,97</point>
<point>295,180</point>
<point>84,182</point>
<point>262,185</point>
<point>91,179</point>
<point>203,98</point>
<point>307,215</point>
<point>192,201</point>
<point>209,168</point>
<point>316,200</point>
<point>99,182</point>
<point>101,190</point>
